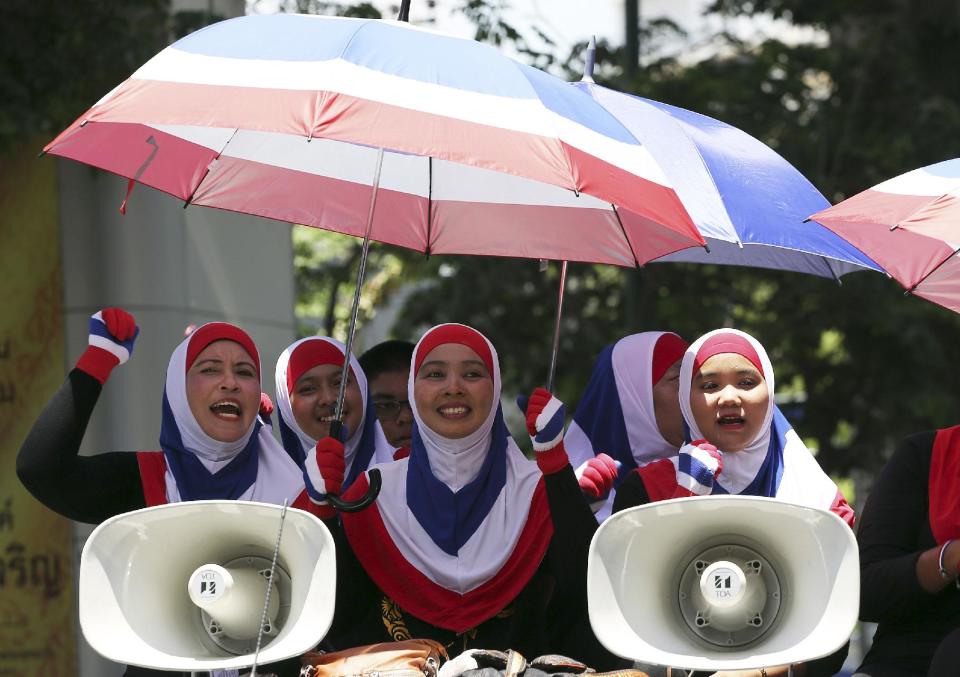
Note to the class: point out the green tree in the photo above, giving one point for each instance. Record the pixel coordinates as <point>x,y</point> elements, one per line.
<point>874,96</point>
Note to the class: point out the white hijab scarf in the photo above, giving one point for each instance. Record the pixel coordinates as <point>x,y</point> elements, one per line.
<point>802,482</point>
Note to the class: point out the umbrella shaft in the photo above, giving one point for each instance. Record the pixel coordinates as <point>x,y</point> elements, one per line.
<point>338,414</point>
<point>556,328</point>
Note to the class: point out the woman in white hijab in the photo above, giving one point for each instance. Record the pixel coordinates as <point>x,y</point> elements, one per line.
<point>469,542</point>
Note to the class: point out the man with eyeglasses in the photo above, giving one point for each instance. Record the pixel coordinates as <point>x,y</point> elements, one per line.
<point>387,366</point>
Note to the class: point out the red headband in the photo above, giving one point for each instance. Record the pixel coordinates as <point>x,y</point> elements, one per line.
<point>220,331</point>
<point>308,355</point>
<point>668,349</point>
<point>727,343</point>
<point>454,333</point>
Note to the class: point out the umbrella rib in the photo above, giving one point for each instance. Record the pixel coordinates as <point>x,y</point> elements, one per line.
<point>636,261</point>
<point>429,202</point>
<point>931,272</point>
<point>206,172</point>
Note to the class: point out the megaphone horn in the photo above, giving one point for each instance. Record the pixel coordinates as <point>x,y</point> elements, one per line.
<point>183,586</point>
<point>723,583</point>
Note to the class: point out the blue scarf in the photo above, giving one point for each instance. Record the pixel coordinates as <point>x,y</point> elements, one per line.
<point>451,518</point>
<point>194,481</point>
<point>600,414</point>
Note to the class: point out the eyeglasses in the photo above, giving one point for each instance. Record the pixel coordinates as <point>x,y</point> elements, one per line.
<point>389,410</point>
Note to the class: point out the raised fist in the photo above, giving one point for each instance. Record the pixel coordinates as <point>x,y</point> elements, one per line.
<point>112,334</point>
<point>545,419</point>
<point>699,465</point>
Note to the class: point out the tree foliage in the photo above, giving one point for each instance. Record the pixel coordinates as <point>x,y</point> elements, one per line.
<point>873,97</point>
<point>57,58</point>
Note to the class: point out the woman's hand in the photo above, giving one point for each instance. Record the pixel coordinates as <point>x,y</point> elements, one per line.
<point>112,334</point>
<point>699,465</point>
<point>545,420</point>
<point>596,476</point>
<point>324,470</point>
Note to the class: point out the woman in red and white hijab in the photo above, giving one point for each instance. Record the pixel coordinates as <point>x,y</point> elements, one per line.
<point>742,442</point>
<point>308,383</point>
<point>628,410</point>
<point>214,445</point>
<point>469,542</point>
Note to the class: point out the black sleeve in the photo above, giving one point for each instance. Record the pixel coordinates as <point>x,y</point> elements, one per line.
<point>82,488</point>
<point>893,518</point>
<point>574,525</point>
<point>356,594</point>
<point>630,493</point>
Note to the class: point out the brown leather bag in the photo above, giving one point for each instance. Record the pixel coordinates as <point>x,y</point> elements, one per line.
<point>409,658</point>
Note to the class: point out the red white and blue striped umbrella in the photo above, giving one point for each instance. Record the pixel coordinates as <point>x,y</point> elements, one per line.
<point>748,202</point>
<point>910,225</point>
<point>284,116</point>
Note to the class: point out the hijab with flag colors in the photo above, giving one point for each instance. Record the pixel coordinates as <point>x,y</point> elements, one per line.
<point>944,484</point>
<point>775,463</point>
<point>194,466</point>
<point>461,525</point>
<point>615,415</point>
<point>360,449</point>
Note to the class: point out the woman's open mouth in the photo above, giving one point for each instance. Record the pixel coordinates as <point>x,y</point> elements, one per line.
<point>731,422</point>
<point>226,409</point>
<point>454,411</point>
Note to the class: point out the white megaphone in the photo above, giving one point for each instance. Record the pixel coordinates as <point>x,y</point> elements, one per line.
<point>723,583</point>
<point>182,586</point>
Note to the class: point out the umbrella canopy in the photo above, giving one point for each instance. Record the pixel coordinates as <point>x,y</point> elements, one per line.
<point>284,116</point>
<point>910,225</point>
<point>747,201</point>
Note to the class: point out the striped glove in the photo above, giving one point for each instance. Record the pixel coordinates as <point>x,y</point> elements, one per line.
<point>113,332</point>
<point>545,419</point>
<point>324,470</point>
<point>698,466</point>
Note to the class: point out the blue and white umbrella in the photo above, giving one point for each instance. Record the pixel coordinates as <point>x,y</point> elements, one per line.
<point>747,201</point>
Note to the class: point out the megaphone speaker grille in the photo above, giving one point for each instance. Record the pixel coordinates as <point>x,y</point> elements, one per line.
<point>221,625</point>
<point>729,595</point>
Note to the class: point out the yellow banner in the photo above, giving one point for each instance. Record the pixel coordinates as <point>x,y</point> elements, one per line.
<point>37,635</point>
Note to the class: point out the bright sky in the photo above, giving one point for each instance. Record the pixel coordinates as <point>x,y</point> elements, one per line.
<point>572,21</point>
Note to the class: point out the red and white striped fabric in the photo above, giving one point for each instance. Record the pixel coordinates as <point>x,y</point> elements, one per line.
<point>910,225</point>
<point>282,115</point>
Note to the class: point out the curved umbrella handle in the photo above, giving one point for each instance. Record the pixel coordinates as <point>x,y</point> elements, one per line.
<point>364,501</point>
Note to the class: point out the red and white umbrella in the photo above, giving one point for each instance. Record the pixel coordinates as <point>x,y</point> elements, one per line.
<point>298,118</point>
<point>910,225</point>
<point>389,132</point>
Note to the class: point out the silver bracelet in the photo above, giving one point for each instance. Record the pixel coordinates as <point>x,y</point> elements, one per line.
<point>944,574</point>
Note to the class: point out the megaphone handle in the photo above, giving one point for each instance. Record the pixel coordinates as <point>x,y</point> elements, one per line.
<point>364,501</point>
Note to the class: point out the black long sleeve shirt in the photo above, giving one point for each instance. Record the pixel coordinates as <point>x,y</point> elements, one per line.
<point>894,531</point>
<point>87,489</point>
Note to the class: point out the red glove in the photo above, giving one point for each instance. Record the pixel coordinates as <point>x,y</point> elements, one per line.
<point>324,470</point>
<point>545,419</point>
<point>113,332</point>
<point>266,406</point>
<point>597,475</point>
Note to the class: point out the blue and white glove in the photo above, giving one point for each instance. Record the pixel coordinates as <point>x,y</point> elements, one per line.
<point>545,420</point>
<point>698,466</point>
<point>113,332</point>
